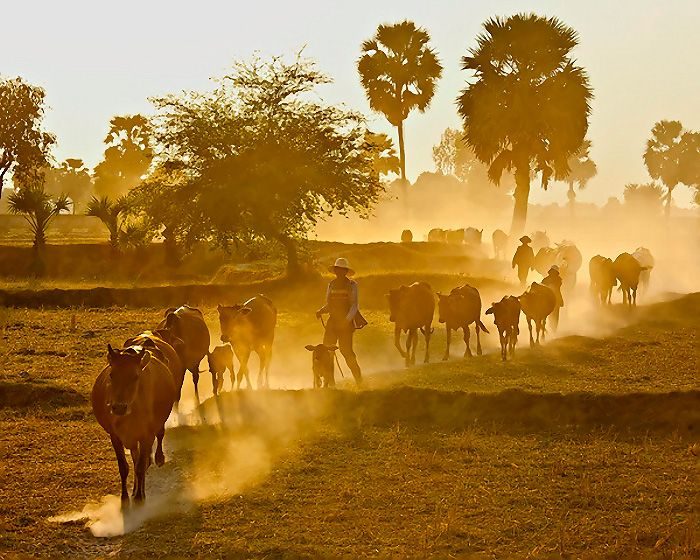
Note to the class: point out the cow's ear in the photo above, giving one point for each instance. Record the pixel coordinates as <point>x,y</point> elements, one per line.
<point>169,310</point>
<point>489,311</point>
<point>245,310</point>
<point>128,342</point>
<point>310,347</point>
<point>111,353</point>
<point>332,348</point>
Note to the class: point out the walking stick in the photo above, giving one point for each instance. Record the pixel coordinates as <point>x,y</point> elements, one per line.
<point>334,354</point>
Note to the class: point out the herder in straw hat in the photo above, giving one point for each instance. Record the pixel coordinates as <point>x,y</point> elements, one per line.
<point>524,259</point>
<point>345,317</point>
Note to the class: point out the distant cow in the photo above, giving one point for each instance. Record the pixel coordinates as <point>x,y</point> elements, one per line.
<point>627,271</point>
<point>437,235</point>
<point>566,256</point>
<point>455,236</point>
<point>603,280</point>
<point>459,309</point>
<point>506,316</point>
<point>537,304</point>
<point>500,244</point>
<point>187,323</point>
<point>170,356</point>
<point>472,236</point>
<point>646,260</point>
<point>545,257</point>
<point>411,308</point>
<point>250,327</point>
<point>540,239</point>
<point>322,364</point>
<point>132,398</point>
<point>221,359</point>
<point>406,236</point>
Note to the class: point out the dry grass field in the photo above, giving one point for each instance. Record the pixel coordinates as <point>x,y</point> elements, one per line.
<point>302,474</point>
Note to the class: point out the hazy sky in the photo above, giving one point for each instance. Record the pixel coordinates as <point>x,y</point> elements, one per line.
<point>97,59</point>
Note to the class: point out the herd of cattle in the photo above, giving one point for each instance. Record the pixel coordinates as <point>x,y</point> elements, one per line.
<point>135,393</point>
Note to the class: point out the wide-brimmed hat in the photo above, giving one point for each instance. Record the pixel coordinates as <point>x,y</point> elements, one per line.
<point>525,239</point>
<point>341,262</point>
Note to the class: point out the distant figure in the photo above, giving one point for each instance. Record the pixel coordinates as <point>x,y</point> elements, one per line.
<point>553,281</point>
<point>645,259</point>
<point>342,305</point>
<point>524,258</point>
<point>500,244</point>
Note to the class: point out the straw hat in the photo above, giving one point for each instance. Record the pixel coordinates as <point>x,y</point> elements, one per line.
<point>341,262</point>
<point>525,239</point>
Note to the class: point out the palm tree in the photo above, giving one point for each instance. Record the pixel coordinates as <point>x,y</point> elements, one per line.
<point>646,198</point>
<point>383,153</point>
<point>581,170</point>
<point>528,108</point>
<point>35,205</point>
<point>111,214</point>
<point>663,156</point>
<point>399,71</point>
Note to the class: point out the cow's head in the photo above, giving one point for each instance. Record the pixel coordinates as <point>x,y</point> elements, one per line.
<point>125,369</point>
<point>395,297</point>
<point>231,318</point>
<point>322,361</point>
<point>447,305</point>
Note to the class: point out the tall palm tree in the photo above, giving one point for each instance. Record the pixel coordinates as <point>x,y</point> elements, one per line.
<point>111,213</point>
<point>581,170</point>
<point>398,71</point>
<point>35,205</point>
<point>383,153</point>
<point>663,156</point>
<point>527,109</point>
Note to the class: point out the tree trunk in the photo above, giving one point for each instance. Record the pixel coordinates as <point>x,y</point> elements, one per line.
<point>522,194</point>
<point>290,246</point>
<point>571,194</point>
<point>402,153</point>
<point>667,208</point>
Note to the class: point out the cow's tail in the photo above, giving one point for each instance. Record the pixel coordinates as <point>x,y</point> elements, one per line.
<point>482,327</point>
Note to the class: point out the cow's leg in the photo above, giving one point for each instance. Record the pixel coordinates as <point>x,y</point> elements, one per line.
<point>123,466</point>
<point>634,297</point>
<point>194,368</point>
<point>477,328</point>
<point>268,361</point>
<point>145,448</point>
<point>215,382</point>
<point>467,350</point>
<point>428,333</point>
<point>160,456</point>
<point>504,344</point>
<point>513,340</point>
<point>243,357</point>
<point>135,460</point>
<point>397,342</point>
<point>409,345</point>
<point>449,337</point>
<point>529,327</point>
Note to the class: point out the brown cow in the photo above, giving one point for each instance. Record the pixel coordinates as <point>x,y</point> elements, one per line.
<point>472,236</point>
<point>627,271</point>
<point>412,308</point>
<point>250,327</point>
<point>170,357</point>
<point>221,359</point>
<point>537,304</point>
<point>603,280</point>
<point>506,316</point>
<point>455,236</point>
<point>458,310</point>
<point>132,398</point>
<point>322,364</point>
<point>500,244</point>
<point>187,323</point>
<point>437,235</point>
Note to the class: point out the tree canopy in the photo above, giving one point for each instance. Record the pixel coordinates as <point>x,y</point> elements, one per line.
<point>25,147</point>
<point>527,108</point>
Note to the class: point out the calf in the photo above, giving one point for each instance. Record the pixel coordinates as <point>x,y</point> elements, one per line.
<point>132,398</point>
<point>411,308</point>
<point>220,359</point>
<point>458,310</point>
<point>500,244</point>
<point>322,364</point>
<point>506,316</point>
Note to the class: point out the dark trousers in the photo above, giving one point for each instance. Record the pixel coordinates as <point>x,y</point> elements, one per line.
<point>340,332</point>
<point>522,274</point>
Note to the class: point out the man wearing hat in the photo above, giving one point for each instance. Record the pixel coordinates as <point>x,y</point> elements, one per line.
<point>553,281</point>
<point>342,306</point>
<point>524,258</point>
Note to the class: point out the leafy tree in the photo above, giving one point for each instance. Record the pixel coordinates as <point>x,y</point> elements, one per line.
<point>73,178</point>
<point>25,148</point>
<point>453,156</point>
<point>127,157</point>
<point>398,71</point>
<point>262,160</point>
<point>527,109</point>
<point>112,213</point>
<point>581,170</point>
<point>383,153</point>
<point>645,198</point>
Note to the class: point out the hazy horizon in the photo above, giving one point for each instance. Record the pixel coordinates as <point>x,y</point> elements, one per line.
<point>97,61</point>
